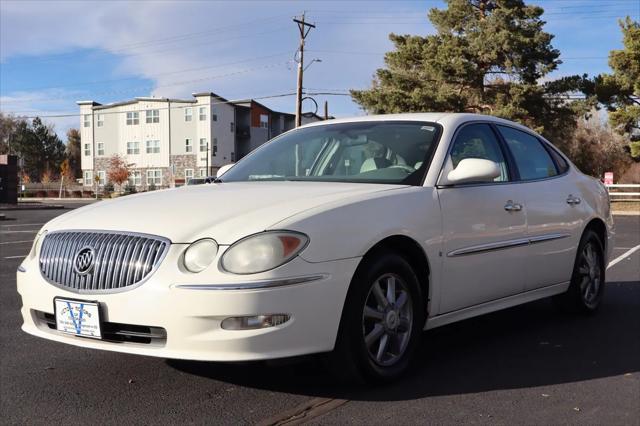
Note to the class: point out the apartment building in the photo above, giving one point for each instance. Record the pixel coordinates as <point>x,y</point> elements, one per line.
<point>169,141</point>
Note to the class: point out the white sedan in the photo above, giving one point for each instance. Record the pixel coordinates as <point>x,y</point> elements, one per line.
<point>348,237</point>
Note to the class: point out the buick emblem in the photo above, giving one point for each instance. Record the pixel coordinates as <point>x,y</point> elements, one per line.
<point>84,260</point>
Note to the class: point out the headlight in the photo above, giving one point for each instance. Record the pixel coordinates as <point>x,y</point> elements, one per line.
<point>199,255</point>
<point>262,252</point>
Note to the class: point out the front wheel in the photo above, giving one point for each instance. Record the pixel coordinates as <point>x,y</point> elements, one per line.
<point>587,281</point>
<point>382,320</point>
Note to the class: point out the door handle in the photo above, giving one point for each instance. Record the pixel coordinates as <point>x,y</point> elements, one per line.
<point>571,200</point>
<point>512,207</point>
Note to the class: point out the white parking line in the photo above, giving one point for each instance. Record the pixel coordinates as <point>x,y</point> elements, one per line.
<point>19,232</point>
<point>15,257</point>
<point>23,224</point>
<point>17,242</point>
<point>623,256</point>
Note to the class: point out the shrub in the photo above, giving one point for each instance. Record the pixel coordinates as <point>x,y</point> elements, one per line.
<point>595,149</point>
<point>76,194</point>
<point>130,189</point>
<point>41,194</point>
<point>635,150</point>
<point>107,188</point>
<point>53,193</point>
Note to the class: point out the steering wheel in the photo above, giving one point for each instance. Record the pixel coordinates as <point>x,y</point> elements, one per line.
<point>404,167</point>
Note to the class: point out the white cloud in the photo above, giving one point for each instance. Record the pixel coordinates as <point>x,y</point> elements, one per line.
<point>156,39</point>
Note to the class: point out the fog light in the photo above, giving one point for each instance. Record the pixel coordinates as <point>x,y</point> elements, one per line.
<point>254,322</point>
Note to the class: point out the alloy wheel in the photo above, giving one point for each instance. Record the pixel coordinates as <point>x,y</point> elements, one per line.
<point>590,271</point>
<point>387,319</point>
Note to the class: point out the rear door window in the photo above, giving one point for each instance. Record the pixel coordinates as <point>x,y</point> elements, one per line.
<point>532,159</point>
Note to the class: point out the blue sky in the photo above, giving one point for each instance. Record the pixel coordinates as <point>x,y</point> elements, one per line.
<point>53,53</point>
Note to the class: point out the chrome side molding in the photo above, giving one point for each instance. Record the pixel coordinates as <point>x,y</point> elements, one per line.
<point>501,245</point>
<point>254,285</point>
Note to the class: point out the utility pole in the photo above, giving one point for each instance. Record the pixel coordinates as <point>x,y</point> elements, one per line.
<point>304,28</point>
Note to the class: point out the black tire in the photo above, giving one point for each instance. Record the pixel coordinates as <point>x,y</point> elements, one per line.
<point>352,359</point>
<point>586,290</point>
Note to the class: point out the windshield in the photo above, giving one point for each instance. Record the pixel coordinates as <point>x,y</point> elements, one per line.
<point>376,152</point>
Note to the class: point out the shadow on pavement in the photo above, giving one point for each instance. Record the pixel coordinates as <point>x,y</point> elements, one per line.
<point>526,346</point>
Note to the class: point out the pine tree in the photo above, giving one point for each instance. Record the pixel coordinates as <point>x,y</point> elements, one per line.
<point>620,91</point>
<point>74,152</point>
<point>487,56</point>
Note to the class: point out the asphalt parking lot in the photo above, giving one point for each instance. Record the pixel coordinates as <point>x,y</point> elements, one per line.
<point>525,365</point>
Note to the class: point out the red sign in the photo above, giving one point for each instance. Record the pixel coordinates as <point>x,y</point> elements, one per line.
<point>608,178</point>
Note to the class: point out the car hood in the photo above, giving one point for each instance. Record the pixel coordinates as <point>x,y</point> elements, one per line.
<point>225,212</point>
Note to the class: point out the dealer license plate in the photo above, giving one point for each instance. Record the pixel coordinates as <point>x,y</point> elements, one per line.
<point>78,317</point>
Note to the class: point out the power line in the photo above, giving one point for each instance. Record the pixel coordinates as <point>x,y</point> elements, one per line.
<point>343,52</point>
<point>121,50</point>
<point>178,83</point>
<point>160,51</point>
<point>190,104</point>
<point>115,80</point>
<point>173,107</point>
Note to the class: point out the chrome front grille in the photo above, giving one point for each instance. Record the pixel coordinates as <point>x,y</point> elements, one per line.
<point>119,260</point>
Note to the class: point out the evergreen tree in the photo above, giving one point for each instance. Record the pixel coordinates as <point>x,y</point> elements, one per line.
<point>39,147</point>
<point>487,56</point>
<point>74,152</point>
<point>620,91</point>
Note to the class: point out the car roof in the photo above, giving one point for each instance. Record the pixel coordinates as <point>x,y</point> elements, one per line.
<point>447,119</point>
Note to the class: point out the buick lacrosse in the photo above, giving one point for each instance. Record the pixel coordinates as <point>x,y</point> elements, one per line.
<point>348,237</point>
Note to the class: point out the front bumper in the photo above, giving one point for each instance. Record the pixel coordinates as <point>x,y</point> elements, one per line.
<point>192,316</point>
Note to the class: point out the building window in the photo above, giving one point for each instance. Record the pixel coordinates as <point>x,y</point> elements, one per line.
<point>233,157</point>
<point>232,127</point>
<point>133,148</point>
<point>215,146</point>
<point>153,147</point>
<point>87,149</point>
<point>135,178</point>
<point>202,113</point>
<point>133,118</point>
<point>88,178</point>
<point>153,116</point>
<point>264,121</point>
<point>214,116</point>
<point>154,177</point>
<point>100,148</point>
<point>100,120</point>
<point>102,177</point>
<point>188,114</point>
<point>188,145</point>
<point>202,173</point>
<point>188,175</point>
<point>203,145</point>
<point>87,120</point>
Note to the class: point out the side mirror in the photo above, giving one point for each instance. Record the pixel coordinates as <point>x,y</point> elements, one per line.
<point>222,170</point>
<point>474,170</point>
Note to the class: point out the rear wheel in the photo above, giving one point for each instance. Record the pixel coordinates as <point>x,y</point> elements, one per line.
<point>587,281</point>
<point>382,320</point>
